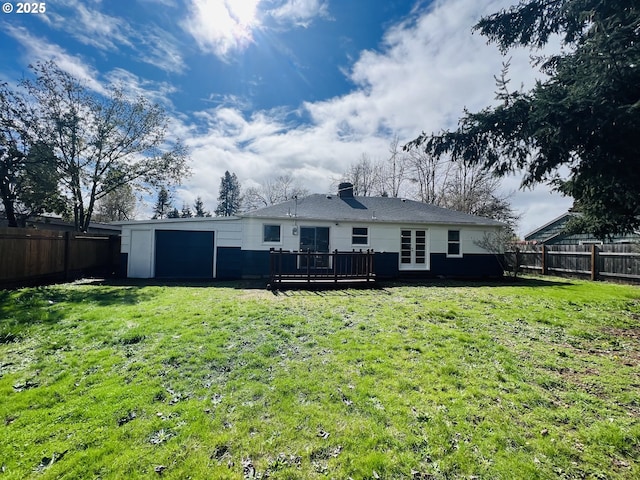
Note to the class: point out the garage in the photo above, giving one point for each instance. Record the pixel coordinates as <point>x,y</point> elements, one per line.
<point>184,254</point>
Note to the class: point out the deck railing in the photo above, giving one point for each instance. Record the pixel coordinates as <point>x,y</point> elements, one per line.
<point>307,268</point>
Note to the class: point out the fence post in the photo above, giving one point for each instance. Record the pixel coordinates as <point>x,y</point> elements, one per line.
<point>67,253</point>
<point>113,259</point>
<point>271,265</point>
<point>335,265</point>
<point>594,261</point>
<point>372,265</point>
<point>545,269</point>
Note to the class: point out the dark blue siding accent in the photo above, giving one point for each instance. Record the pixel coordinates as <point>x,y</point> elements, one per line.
<point>255,263</point>
<point>123,271</point>
<point>229,263</point>
<point>234,263</point>
<point>386,264</point>
<point>184,254</point>
<point>467,266</point>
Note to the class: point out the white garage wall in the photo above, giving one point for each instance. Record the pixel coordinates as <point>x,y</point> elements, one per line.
<point>140,263</point>
<point>138,238</point>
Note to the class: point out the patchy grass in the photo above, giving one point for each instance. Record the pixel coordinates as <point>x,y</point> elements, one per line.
<point>538,379</point>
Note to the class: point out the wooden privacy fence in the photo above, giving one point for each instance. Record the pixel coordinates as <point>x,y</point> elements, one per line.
<point>607,261</point>
<point>298,268</point>
<point>29,256</point>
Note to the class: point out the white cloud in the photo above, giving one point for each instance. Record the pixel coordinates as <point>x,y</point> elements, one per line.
<point>160,49</point>
<point>38,49</point>
<point>133,86</point>
<point>103,32</point>
<point>426,71</point>
<point>221,26</point>
<point>224,27</point>
<point>89,25</point>
<point>299,12</point>
<point>163,3</point>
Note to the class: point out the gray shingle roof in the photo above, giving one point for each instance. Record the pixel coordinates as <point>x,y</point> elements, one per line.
<point>368,209</point>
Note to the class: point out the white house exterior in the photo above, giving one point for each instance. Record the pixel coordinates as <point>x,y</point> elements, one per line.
<point>408,238</point>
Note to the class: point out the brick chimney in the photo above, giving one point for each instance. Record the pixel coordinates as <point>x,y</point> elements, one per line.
<point>345,190</point>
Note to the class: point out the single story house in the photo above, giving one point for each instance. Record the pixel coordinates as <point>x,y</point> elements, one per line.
<point>408,238</point>
<point>554,233</point>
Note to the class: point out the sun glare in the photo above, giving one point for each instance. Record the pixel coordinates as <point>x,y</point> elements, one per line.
<point>224,25</point>
<point>243,11</point>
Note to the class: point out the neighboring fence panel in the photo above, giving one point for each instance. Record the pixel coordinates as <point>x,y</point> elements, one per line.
<point>530,258</point>
<point>608,261</point>
<point>569,259</point>
<point>29,256</point>
<point>621,261</point>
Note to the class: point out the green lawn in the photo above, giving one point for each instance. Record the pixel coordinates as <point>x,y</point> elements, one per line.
<point>536,379</point>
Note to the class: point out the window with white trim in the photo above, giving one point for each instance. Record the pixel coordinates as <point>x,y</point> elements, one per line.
<point>360,236</point>
<point>453,243</point>
<point>271,234</point>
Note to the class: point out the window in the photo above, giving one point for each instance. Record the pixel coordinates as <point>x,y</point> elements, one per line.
<point>453,243</point>
<point>360,236</point>
<point>271,233</point>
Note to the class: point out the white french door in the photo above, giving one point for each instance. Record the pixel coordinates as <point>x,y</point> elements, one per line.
<point>414,249</point>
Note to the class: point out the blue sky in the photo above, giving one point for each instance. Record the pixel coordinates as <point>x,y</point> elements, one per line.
<point>270,87</point>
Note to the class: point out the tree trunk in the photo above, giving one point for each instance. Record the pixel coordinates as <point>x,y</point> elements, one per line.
<point>9,211</point>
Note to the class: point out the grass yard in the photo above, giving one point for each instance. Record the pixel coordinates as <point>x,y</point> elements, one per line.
<point>538,379</point>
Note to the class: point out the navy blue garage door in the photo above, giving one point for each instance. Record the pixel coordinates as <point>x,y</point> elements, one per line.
<point>184,254</point>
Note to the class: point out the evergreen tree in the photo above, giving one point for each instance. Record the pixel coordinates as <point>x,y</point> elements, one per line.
<point>173,213</point>
<point>229,199</point>
<point>163,205</point>
<point>186,211</point>
<point>584,119</point>
<point>198,206</point>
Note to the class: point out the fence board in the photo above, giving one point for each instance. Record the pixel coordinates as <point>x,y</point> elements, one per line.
<point>32,256</point>
<point>615,261</point>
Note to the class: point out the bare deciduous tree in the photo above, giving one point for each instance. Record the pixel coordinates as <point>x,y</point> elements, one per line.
<point>117,205</point>
<point>460,186</point>
<point>273,191</point>
<point>392,174</point>
<point>503,245</point>
<point>101,141</point>
<point>365,177</point>
<point>473,189</point>
<point>428,173</point>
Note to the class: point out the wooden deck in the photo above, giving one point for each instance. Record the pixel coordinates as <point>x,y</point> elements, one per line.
<point>296,269</point>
